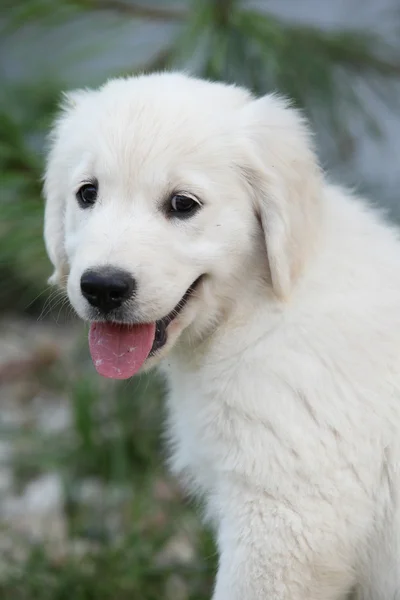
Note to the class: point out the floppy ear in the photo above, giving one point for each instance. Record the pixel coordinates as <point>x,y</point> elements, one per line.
<point>54,192</point>
<point>286,183</point>
<point>54,225</point>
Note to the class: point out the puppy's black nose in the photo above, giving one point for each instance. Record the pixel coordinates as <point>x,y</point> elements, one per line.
<point>107,288</point>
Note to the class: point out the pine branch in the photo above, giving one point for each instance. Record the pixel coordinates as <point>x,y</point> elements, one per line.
<point>24,11</point>
<point>138,11</point>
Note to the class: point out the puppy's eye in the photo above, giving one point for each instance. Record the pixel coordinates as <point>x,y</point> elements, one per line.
<point>183,206</point>
<point>87,195</point>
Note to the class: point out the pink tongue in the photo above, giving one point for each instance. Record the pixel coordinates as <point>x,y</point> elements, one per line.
<point>118,351</point>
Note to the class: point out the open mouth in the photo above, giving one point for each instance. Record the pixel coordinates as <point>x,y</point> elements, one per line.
<point>119,350</point>
<point>160,337</point>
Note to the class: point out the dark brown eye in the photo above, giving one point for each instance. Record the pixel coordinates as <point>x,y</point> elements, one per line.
<point>87,195</point>
<point>183,206</point>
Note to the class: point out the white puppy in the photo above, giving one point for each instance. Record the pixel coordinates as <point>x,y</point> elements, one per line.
<point>196,232</point>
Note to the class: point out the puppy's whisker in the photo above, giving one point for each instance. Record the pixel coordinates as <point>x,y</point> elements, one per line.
<point>58,296</point>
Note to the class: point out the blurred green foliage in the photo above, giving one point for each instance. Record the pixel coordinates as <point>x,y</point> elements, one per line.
<point>127,573</point>
<point>25,114</point>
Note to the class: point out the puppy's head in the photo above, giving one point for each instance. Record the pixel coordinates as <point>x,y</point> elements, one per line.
<point>159,190</point>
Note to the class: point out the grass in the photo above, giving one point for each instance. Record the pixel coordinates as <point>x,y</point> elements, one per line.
<point>125,572</point>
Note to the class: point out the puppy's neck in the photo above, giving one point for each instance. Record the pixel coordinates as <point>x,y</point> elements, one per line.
<point>233,328</point>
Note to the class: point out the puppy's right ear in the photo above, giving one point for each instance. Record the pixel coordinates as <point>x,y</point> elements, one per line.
<point>279,163</point>
<point>54,192</point>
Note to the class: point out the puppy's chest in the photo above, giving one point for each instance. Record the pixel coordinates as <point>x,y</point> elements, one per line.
<point>201,426</point>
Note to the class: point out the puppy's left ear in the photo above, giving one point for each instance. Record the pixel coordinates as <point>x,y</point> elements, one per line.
<point>54,191</point>
<point>280,165</point>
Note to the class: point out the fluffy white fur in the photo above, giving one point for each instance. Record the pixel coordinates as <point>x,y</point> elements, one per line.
<point>284,369</point>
